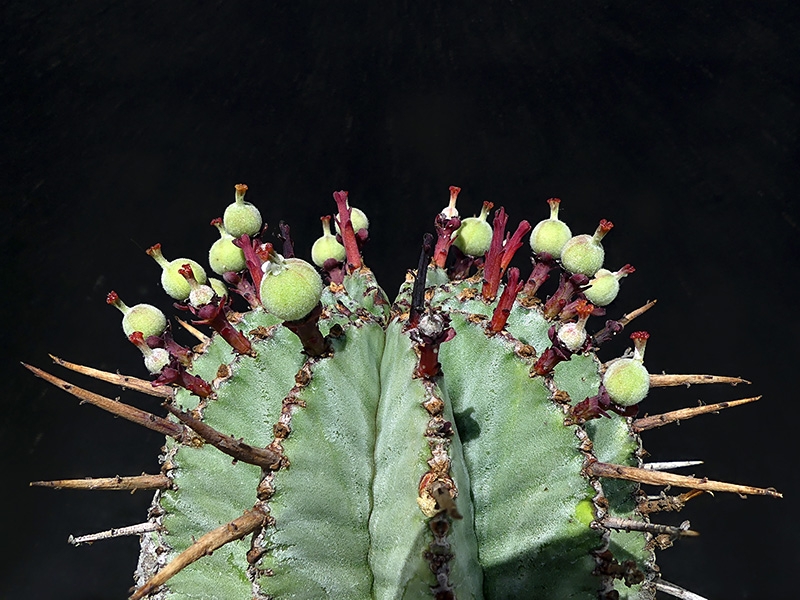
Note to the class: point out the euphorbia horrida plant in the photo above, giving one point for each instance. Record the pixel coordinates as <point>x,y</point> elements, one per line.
<point>465,441</point>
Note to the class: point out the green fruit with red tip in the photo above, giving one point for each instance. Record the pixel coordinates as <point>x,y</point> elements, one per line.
<point>626,380</point>
<point>327,247</point>
<point>551,234</point>
<point>241,217</point>
<point>145,318</point>
<point>603,289</point>
<point>224,256</point>
<point>474,236</point>
<point>584,253</point>
<point>172,281</point>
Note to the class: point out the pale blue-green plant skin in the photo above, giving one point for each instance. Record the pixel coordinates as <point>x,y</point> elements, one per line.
<point>347,523</point>
<point>399,530</point>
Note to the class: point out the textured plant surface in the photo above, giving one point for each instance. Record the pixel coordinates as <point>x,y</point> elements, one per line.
<point>463,442</point>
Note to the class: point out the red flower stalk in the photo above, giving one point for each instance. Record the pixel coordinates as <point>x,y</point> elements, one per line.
<point>503,308</point>
<point>176,374</point>
<point>286,237</point>
<point>611,329</point>
<point>215,316</point>
<point>597,406</point>
<point>255,254</point>
<point>347,232</point>
<point>447,223</point>
<point>243,287</point>
<point>555,354</point>
<point>567,288</point>
<point>543,263</point>
<point>432,331</point>
<point>491,267</point>
<point>307,329</point>
<point>180,353</point>
<point>500,252</point>
<point>512,245</point>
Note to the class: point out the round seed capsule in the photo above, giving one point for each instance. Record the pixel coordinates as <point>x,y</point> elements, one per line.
<point>171,280</point>
<point>584,253</point>
<point>627,380</point>
<point>224,256</point>
<point>474,236</point>
<point>241,217</point>
<point>141,317</point>
<point>551,234</point>
<point>327,247</point>
<point>291,287</point>
<point>603,289</point>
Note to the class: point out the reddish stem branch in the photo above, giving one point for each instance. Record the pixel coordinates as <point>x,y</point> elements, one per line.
<point>347,232</point>
<point>503,308</point>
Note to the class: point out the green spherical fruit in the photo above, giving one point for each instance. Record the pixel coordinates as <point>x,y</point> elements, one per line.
<point>224,256</point>
<point>603,289</point>
<point>325,248</point>
<point>241,217</point>
<point>291,290</point>
<point>145,318</point>
<point>584,253</point>
<point>581,254</point>
<point>627,381</point>
<point>175,284</point>
<point>474,236</point>
<point>551,234</point>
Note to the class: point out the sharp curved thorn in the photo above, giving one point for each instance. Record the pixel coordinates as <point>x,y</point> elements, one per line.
<point>202,337</point>
<point>113,533</point>
<point>249,522</point>
<point>628,317</point>
<point>130,484</point>
<point>124,381</point>
<point>654,528</point>
<point>115,407</point>
<point>672,464</point>
<point>646,476</point>
<point>237,449</point>
<point>664,380</point>
<point>645,423</point>
<point>676,591</point>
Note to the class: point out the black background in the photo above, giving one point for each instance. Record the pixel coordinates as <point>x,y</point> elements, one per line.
<point>128,123</point>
